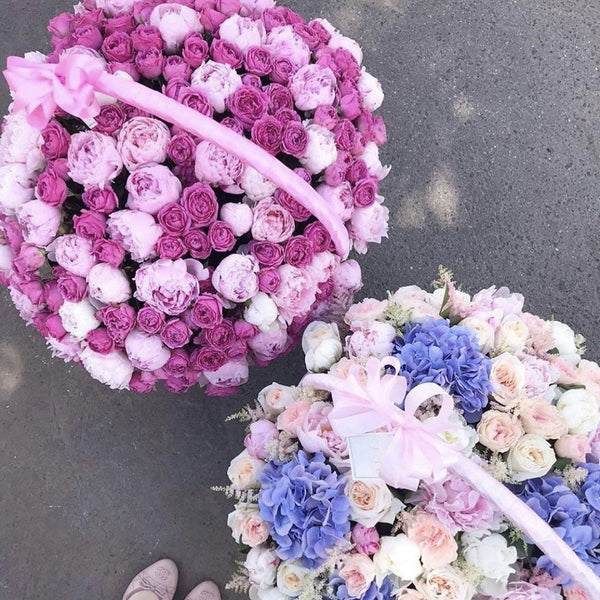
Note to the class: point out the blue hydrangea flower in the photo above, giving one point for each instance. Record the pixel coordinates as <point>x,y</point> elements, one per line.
<point>436,352</point>
<point>375,592</point>
<point>303,500</point>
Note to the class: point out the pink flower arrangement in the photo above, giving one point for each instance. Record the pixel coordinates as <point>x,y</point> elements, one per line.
<point>165,257</point>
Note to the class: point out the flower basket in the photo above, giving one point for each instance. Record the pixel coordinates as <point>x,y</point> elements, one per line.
<point>448,449</point>
<point>181,184</point>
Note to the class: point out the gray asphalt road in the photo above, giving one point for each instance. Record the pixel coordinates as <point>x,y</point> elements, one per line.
<point>493,113</point>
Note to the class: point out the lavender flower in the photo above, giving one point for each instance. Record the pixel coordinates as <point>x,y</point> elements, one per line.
<point>375,592</point>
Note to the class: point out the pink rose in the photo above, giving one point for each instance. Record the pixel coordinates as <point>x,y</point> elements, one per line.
<point>217,81</point>
<point>574,447</point>
<point>499,431</point>
<point>437,544</point>
<point>291,419</point>
<point>196,241</point>
<point>143,141</point>
<point>56,141</point>
<point>152,187</point>
<point>540,417</point>
<point>316,435</point>
<point>175,22</point>
<point>267,133</point>
<point>215,166</point>
<point>272,222</point>
<point>296,293</point>
<point>108,251</point>
<point>99,341</point>
<point>575,593</point>
<point>146,352</point>
<point>267,254</point>
<point>119,321</point>
<point>136,232</point>
<point>299,251</point>
<point>195,50</point>
<point>236,278</point>
<point>170,246</point>
<point>174,67</point>
<point>74,253</point>
<point>368,225</point>
<point>39,222</point>
<point>365,192</point>
<point>175,334</point>
<point>200,202</point>
<point>51,189</point>
<point>118,47</point>
<point>146,37</point>
<point>262,432</point>
<point>358,571</point>
<point>143,382</point>
<point>221,236</point>
<point>167,286</point>
<point>149,63</point>
<point>150,320</point>
<point>258,61</point>
<point>100,200</point>
<point>90,225</point>
<point>174,219</point>
<point>366,539</point>
<point>226,53</point>
<point>182,148</point>
<point>28,260</point>
<point>207,312</point>
<point>110,119</point>
<point>313,86</point>
<point>295,139</point>
<point>248,104</point>
<point>93,159</point>
<point>72,288</point>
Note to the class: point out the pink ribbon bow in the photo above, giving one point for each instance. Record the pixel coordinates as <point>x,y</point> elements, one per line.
<point>417,453</point>
<point>38,88</point>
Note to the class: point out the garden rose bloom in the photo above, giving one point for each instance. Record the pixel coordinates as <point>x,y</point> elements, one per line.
<point>296,293</point>
<point>444,584</point>
<point>152,187</point>
<point>437,544</point>
<point>366,539</point>
<point>51,189</point>
<point>499,431</point>
<point>136,232</point>
<point>217,82</point>
<point>246,525</point>
<point>39,222</point>
<point>508,378</point>
<point>244,471</point>
<point>146,352</point>
<point>316,434</point>
<point>358,571</point>
<point>579,410</point>
<point>371,502</point>
<point>143,141</point>
<point>368,225</point>
<point>236,278</point>
<point>262,432</point>
<point>532,456</point>
<point>313,86</point>
<point>540,417</point>
<point>215,167</point>
<point>575,447</point>
<point>74,253</point>
<point>112,369</point>
<point>275,398</point>
<point>321,151</point>
<point>272,222</point>
<point>166,286</point>
<point>150,320</point>
<point>93,159</point>
<point>90,225</point>
<point>207,312</point>
<point>175,22</point>
<point>293,416</point>
<point>108,284</point>
<point>100,200</point>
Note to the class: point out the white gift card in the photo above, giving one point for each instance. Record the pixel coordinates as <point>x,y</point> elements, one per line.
<point>367,452</point>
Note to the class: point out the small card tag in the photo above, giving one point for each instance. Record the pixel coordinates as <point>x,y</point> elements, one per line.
<point>367,452</point>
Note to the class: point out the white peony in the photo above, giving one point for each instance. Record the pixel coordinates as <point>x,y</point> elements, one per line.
<point>78,318</point>
<point>175,22</point>
<point>579,410</point>
<point>532,456</point>
<point>371,90</point>
<point>564,341</point>
<point>243,32</point>
<point>371,158</point>
<point>261,311</point>
<point>244,471</point>
<point>372,338</point>
<point>322,345</point>
<point>21,143</point>
<point>371,502</point>
<point>146,352</point>
<point>291,577</point>
<point>238,215</point>
<point>256,186</point>
<point>16,187</point>
<point>115,7</point>
<point>275,398</point>
<point>398,556</point>
<point>108,285</point>
<point>321,151</point>
<point>113,369</point>
<point>217,82</point>
<point>262,563</point>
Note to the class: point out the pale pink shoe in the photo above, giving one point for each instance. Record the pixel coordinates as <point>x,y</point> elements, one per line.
<point>207,590</point>
<point>156,582</point>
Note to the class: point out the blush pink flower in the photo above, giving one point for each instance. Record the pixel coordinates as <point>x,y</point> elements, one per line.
<point>436,542</point>
<point>143,141</point>
<point>236,277</point>
<point>366,539</point>
<point>136,232</point>
<point>296,293</point>
<point>93,159</point>
<point>152,187</point>
<point>291,419</point>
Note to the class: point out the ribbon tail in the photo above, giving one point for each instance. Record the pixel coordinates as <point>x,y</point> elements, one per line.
<point>534,527</point>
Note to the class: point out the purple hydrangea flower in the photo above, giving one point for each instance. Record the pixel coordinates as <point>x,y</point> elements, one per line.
<point>434,351</point>
<point>303,500</point>
<point>375,592</point>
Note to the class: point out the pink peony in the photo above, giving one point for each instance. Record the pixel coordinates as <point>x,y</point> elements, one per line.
<point>146,352</point>
<point>313,86</point>
<point>143,141</point>
<point>93,159</point>
<point>262,432</point>
<point>296,293</point>
<point>215,166</point>
<point>243,32</point>
<point>437,544</point>
<point>136,232</point>
<point>366,539</point>
<point>272,222</point>
<point>217,81</point>
<point>39,222</point>
<point>152,187</point>
<point>270,344</point>
<point>368,225</point>
<point>175,22</point>
<point>108,285</point>
<point>284,43</point>
<point>520,590</point>
<point>230,376</point>
<point>291,419</point>
<point>236,278</point>
<point>74,253</point>
<point>371,338</point>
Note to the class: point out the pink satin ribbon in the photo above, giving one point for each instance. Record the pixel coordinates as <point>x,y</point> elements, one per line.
<point>418,453</point>
<point>39,88</point>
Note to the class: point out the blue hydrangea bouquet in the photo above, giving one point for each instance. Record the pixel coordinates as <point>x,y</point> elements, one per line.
<point>447,449</point>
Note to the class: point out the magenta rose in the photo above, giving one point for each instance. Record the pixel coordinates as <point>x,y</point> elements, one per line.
<point>269,280</point>
<point>335,174</point>
<point>175,88</point>
<point>233,124</point>
<point>258,61</point>
<point>357,171</point>
<point>143,382</point>
<point>143,141</point>
<point>299,213</point>
<point>152,187</point>
<point>267,254</point>
<point>225,52</point>
<point>29,259</point>
<point>119,321</point>
<point>197,243</point>
<point>170,246</point>
<point>174,219</point>
<point>319,236</point>
<point>295,139</point>
<point>283,69</point>
<point>268,134</point>
<point>248,104</point>
<point>221,336</point>
<point>52,296</point>
<point>90,225</point>
<point>279,97</point>
<point>110,119</point>
<point>200,202</point>
<point>150,320</point>
<point>366,539</point>
<point>175,67</point>
<point>118,47</point>
<point>124,22</point>
<point>72,288</point>
<point>207,312</point>
<point>365,192</point>
<point>124,67</point>
<point>56,141</point>
<point>149,62</point>
<point>145,37</point>
<point>287,115</point>
<point>221,236</point>
<point>236,277</point>
<point>182,148</point>
<point>252,80</point>
<point>272,222</point>
<point>93,159</point>
<point>195,50</point>
<point>178,363</point>
<point>326,116</point>
<point>88,36</point>
<point>175,334</point>
<point>196,100</point>
<point>299,251</point>
<point>99,341</point>
<point>345,134</point>
<point>262,433</point>
<point>100,200</point>
<point>108,251</point>
<point>207,359</point>
<point>51,189</point>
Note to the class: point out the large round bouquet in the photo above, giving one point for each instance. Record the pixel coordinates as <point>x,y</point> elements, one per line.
<point>453,455</point>
<point>146,251</point>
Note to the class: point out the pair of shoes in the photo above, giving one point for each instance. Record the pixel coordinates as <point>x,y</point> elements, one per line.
<point>159,582</point>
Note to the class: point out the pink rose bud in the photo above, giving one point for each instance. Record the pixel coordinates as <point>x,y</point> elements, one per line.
<point>99,341</point>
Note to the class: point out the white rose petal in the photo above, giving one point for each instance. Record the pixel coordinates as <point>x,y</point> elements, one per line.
<point>564,341</point>
<point>244,470</point>
<point>275,398</point>
<point>291,576</point>
<point>371,90</point>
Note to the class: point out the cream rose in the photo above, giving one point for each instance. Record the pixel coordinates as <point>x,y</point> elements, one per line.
<point>244,471</point>
<point>499,431</point>
<point>541,418</point>
<point>508,378</point>
<point>322,345</point>
<point>291,577</point>
<point>275,398</point>
<point>246,525</point>
<point>483,331</point>
<point>579,410</point>
<point>532,456</point>
<point>445,584</point>
<point>398,556</point>
<point>358,571</point>
<point>511,336</point>
<point>371,502</point>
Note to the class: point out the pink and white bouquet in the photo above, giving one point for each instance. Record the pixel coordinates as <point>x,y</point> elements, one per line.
<point>446,449</point>
<point>181,183</point>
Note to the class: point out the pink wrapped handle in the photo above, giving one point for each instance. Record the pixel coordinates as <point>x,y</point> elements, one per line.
<point>39,88</point>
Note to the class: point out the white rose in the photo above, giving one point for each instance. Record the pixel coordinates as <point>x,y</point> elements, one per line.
<point>146,352</point>
<point>113,369</point>
<point>398,556</point>
<point>512,335</point>
<point>578,408</point>
<point>256,186</point>
<point>321,151</point>
<point>371,502</point>
<point>21,143</point>
<point>16,187</point>
<point>275,398</point>
<point>492,557</point>
<point>322,345</point>
<point>483,331</point>
<point>371,90</point>
<point>217,82</point>
<point>261,311</point>
<point>175,22</point>
<point>564,341</point>
<point>291,577</point>
<point>261,563</point>
<point>371,158</point>
<point>508,378</point>
<point>244,471</point>
<point>445,584</point>
<point>246,525</point>
<point>108,284</point>
<point>78,318</point>
<point>532,456</point>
